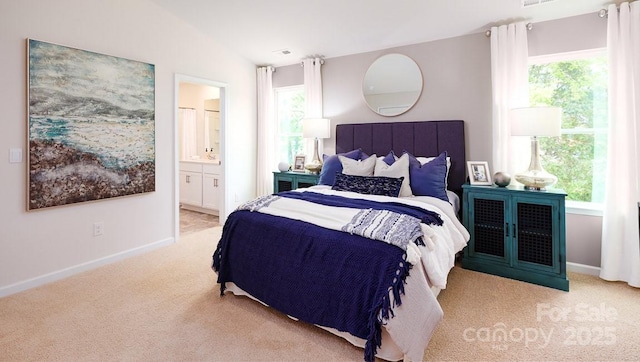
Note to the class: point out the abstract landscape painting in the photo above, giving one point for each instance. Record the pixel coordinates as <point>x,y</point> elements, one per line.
<point>91,126</point>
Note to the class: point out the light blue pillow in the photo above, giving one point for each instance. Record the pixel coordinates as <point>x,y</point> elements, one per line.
<point>429,179</point>
<point>332,165</point>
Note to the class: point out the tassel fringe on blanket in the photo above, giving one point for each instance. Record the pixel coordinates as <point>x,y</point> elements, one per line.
<point>379,314</point>
<point>383,311</point>
<point>369,221</point>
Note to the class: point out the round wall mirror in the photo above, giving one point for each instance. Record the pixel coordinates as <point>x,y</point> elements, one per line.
<point>392,84</point>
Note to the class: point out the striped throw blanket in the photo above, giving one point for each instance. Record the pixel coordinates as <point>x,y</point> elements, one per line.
<point>383,225</point>
<point>390,227</point>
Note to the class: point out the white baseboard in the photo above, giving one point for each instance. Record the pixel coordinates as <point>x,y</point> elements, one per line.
<point>583,269</point>
<point>67,272</point>
<point>200,209</point>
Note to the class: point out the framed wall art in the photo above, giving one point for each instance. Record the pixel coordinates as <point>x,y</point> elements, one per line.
<point>91,126</point>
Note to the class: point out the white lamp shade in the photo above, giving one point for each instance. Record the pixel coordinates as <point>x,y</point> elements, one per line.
<point>316,128</point>
<point>536,121</point>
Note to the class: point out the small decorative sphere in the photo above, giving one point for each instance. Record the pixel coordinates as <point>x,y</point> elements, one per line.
<point>501,179</point>
<point>283,166</point>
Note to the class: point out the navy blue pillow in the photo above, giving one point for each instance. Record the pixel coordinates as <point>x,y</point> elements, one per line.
<point>331,165</point>
<point>370,185</point>
<point>390,158</point>
<point>429,179</point>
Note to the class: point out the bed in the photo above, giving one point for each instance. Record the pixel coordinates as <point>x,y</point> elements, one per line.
<point>309,253</point>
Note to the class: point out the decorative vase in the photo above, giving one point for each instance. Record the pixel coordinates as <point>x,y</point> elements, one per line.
<point>501,179</point>
<point>283,166</point>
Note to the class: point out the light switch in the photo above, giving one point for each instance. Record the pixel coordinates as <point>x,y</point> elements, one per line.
<point>15,155</point>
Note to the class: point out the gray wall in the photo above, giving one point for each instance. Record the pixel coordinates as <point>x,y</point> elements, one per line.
<point>457,85</point>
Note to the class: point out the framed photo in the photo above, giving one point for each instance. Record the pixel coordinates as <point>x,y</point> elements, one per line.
<point>479,173</point>
<point>298,165</point>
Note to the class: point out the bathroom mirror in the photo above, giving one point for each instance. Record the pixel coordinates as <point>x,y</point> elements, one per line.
<point>199,124</point>
<point>392,84</point>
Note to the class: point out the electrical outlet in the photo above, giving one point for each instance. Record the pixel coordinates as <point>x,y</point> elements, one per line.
<point>98,228</point>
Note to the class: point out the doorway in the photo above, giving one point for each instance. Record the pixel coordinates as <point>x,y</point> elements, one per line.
<point>199,149</point>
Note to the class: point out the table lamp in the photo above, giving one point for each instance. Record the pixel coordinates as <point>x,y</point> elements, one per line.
<point>315,128</point>
<point>536,122</point>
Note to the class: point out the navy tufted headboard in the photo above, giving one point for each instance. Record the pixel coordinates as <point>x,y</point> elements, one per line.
<point>421,138</point>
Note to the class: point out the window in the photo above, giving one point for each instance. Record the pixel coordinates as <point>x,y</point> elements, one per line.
<point>289,103</point>
<point>577,82</point>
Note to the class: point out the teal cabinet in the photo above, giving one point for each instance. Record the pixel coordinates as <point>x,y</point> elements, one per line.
<point>287,181</point>
<point>516,233</point>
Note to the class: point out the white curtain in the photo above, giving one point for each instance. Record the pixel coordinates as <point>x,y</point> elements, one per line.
<point>510,84</point>
<point>188,127</point>
<point>620,244</point>
<point>313,97</point>
<point>267,162</point>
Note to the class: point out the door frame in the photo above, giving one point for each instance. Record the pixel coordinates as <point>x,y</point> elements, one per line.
<point>183,78</point>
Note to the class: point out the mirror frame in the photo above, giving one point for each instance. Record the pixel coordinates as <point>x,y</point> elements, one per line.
<point>401,98</point>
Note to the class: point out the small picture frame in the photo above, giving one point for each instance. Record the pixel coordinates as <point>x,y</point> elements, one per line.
<point>479,173</point>
<point>298,164</point>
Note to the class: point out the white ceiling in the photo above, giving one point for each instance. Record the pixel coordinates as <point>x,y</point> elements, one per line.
<point>258,29</point>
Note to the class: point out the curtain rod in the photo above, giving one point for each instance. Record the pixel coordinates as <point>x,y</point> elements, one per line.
<point>603,13</point>
<point>273,69</point>
<point>529,26</point>
<point>314,62</point>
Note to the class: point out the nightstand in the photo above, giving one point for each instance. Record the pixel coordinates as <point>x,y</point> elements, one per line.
<point>516,233</point>
<point>287,181</point>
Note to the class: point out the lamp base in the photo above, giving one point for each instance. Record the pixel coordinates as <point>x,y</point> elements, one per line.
<point>315,165</point>
<point>536,179</point>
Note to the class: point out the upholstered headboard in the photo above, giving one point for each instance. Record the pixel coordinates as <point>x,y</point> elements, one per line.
<point>423,138</point>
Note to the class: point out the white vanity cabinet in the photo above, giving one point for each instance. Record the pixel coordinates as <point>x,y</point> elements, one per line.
<point>200,186</point>
<point>191,188</point>
<point>211,187</point>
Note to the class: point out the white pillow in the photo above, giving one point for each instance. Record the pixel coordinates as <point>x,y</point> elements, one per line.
<point>357,167</point>
<point>398,169</point>
<point>424,160</point>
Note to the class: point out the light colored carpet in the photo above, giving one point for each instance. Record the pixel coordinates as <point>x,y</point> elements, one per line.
<point>164,306</point>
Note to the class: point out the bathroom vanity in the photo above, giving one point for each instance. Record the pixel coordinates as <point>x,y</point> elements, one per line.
<point>200,185</point>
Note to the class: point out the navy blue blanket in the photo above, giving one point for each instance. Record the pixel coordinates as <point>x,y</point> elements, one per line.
<point>321,276</point>
<point>426,216</point>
